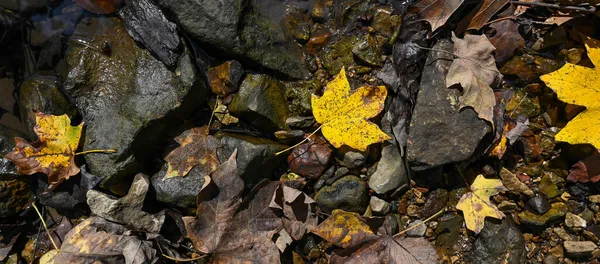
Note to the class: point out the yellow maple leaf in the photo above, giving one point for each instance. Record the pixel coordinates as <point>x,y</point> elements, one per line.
<point>476,204</point>
<point>344,115</point>
<point>54,151</point>
<point>581,86</point>
<point>344,229</point>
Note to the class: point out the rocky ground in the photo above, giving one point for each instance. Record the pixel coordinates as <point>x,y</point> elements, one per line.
<point>142,75</point>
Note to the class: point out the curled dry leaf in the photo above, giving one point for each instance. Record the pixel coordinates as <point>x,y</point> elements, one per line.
<point>476,204</point>
<point>580,86</point>
<point>196,148</point>
<point>344,115</point>
<point>53,153</point>
<point>475,70</point>
<point>436,12</point>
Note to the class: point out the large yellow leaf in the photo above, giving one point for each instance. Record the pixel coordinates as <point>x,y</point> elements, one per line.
<point>476,204</point>
<point>344,115</point>
<point>581,86</point>
<point>54,151</point>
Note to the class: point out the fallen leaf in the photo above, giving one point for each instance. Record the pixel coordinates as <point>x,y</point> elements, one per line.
<point>96,240</point>
<point>476,204</point>
<point>512,183</point>
<point>387,249</point>
<point>475,70</point>
<point>196,147</point>
<point>222,114</point>
<point>53,153</point>
<point>232,230</point>
<point>344,115</point>
<point>507,39</point>
<point>436,12</point>
<point>128,209</point>
<point>100,6</point>
<point>587,170</point>
<point>298,209</point>
<point>580,86</point>
<point>344,229</point>
<point>483,13</point>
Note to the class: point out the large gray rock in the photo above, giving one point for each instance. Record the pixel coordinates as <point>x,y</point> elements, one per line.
<point>128,99</point>
<point>499,243</point>
<point>256,157</point>
<point>441,133</point>
<point>390,173</point>
<point>238,28</point>
<point>349,193</point>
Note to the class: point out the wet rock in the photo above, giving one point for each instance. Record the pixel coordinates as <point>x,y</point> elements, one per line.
<point>368,51</point>
<point>440,133</point>
<point>384,22</point>
<point>557,211</point>
<point>579,249</point>
<point>436,201</point>
<point>299,94</point>
<point>297,24</point>
<point>528,68</point>
<point>318,40</point>
<point>349,193</point>
<point>390,173</point>
<point>43,94</point>
<point>521,104</point>
<point>238,29</point>
<point>563,234</point>
<point>380,206</point>
<point>507,207</point>
<point>418,231</point>
<point>147,24</point>
<point>339,173</point>
<point>129,100</point>
<point>338,54</point>
<point>225,78</point>
<point>289,136</point>
<point>574,222</point>
<point>548,187</point>
<point>311,159</point>
<point>539,204</point>
<point>180,192</point>
<point>70,197</point>
<point>499,243</point>
<point>351,158</point>
<point>550,259</point>
<point>261,102</point>
<point>15,190</point>
<point>512,183</point>
<point>448,232</point>
<point>318,10</point>
<point>300,121</point>
<point>256,157</point>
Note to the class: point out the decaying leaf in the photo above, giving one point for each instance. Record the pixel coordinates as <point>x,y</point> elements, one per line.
<point>128,209</point>
<point>345,229</point>
<point>507,39</point>
<point>436,12</point>
<point>580,86</point>
<point>483,13</point>
<point>232,230</point>
<point>96,240</point>
<point>587,170</point>
<point>475,70</point>
<point>196,148</point>
<point>476,204</point>
<point>298,209</point>
<point>222,113</point>
<point>53,153</point>
<point>344,115</point>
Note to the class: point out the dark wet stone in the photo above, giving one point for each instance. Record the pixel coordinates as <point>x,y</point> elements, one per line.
<point>299,94</point>
<point>179,192</point>
<point>226,77</point>
<point>289,136</point>
<point>318,40</point>
<point>557,211</point>
<point>261,102</point>
<point>147,24</point>
<point>238,29</point>
<point>384,22</point>
<point>300,121</point>
<point>390,173</point>
<point>499,243</point>
<point>256,157</point>
<point>436,201</point>
<point>368,51</point>
<point>440,133</point>
<point>318,10</point>
<point>351,158</point>
<point>42,94</point>
<point>539,204</point>
<point>129,100</point>
<point>448,232</point>
<point>528,68</point>
<point>15,190</point>
<point>311,159</point>
<point>338,55</point>
<point>298,25</point>
<point>349,193</point>
<point>324,177</point>
<point>70,196</point>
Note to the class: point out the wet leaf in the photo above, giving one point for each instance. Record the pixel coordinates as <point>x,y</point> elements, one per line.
<point>345,229</point>
<point>507,39</point>
<point>344,115</point>
<point>128,209</point>
<point>436,12</point>
<point>476,204</point>
<point>387,249</point>
<point>96,240</point>
<point>53,153</point>
<point>475,71</point>
<point>196,148</point>
<point>483,13</point>
<point>587,170</point>
<point>580,86</point>
<point>100,6</point>
<point>298,209</point>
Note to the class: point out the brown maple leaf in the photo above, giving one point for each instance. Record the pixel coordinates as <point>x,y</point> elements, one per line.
<point>436,12</point>
<point>196,148</point>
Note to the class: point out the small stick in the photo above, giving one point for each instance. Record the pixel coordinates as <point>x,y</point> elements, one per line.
<point>48,232</point>
<point>212,113</point>
<point>422,223</point>
<point>590,9</point>
<point>298,144</point>
<point>183,260</point>
<point>97,151</point>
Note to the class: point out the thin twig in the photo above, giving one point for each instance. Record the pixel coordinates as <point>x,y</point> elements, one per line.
<point>588,9</point>
<point>212,113</point>
<point>183,260</point>
<point>422,223</point>
<point>298,144</point>
<point>97,151</point>
<point>48,232</point>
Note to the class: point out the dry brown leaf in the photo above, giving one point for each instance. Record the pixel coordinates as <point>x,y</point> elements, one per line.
<point>507,39</point>
<point>475,70</point>
<point>197,148</point>
<point>587,170</point>
<point>481,14</point>
<point>387,249</point>
<point>436,12</point>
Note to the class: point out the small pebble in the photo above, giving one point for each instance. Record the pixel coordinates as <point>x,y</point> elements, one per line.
<point>539,204</point>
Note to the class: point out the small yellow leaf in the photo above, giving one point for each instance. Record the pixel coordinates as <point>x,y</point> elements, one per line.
<point>476,204</point>
<point>581,86</point>
<point>53,153</point>
<point>344,115</point>
<point>344,229</point>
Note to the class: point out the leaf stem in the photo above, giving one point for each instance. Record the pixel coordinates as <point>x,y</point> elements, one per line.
<point>212,114</point>
<point>97,151</point>
<point>589,9</point>
<point>298,144</point>
<point>422,223</point>
<point>48,232</point>
<point>184,260</point>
